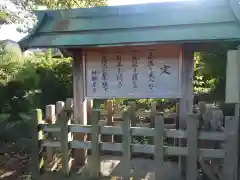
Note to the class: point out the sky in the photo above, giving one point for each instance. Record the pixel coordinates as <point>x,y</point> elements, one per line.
<point>9,31</point>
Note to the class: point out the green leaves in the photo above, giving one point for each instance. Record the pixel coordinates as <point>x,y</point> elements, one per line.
<point>67,4</point>
<point>3,17</point>
<point>210,70</point>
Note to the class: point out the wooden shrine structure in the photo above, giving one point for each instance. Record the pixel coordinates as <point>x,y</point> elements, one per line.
<point>139,51</point>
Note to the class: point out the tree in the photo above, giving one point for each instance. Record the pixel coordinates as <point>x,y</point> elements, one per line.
<point>17,12</point>
<point>20,11</point>
<point>66,4</point>
<point>10,60</point>
<point>210,71</point>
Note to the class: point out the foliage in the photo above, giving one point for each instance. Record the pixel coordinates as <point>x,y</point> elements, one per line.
<point>62,4</point>
<point>34,83</point>
<point>10,61</point>
<point>17,12</point>
<point>210,71</point>
<point>21,10</point>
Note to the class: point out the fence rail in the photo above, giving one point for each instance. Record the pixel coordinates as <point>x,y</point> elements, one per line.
<point>135,131</point>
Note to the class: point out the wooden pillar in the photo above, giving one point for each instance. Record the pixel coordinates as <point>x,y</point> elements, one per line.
<point>186,101</point>
<point>78,96</point>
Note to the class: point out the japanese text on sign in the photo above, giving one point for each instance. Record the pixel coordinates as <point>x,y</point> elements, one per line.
<point>151,75</point>
<point>119,72</point>
<point>134,74</point>
<point>104,73</point>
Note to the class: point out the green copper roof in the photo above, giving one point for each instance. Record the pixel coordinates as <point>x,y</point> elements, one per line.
<point>187,21</point>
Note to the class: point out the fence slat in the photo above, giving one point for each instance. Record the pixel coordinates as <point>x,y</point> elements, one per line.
<point>152,119</point>
<point>159,146</point>
<point>132,113</point>
<point>231,148</point>
<point>37,159</point>
<point>192,146</point>
<point>59,107</point>
<point>50,118</point>
<point>109,121</point>
<point>95,157</point>
<point>126,145</point>
<point>64,142</point>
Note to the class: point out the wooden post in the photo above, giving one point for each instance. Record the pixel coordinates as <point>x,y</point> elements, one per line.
<point>109,138</point>
<point>153,113</point>
<point>64,120</point>
<point>78,95</point>
<point>95,157</point>
<point>236,118</point>
<point>50,118</point>
<point>186,101</point>
<point>177,112</point>
<point>69,106</point>
<point>233,92</point>
<point>126,127</point>
<point>133,118</point>
<point>69,103</point>
<point>176,140</point>
<point>59,107</point>
<point>202,109</point>
<point>192,146</point>
<point>37,134</point>
<point>87,113</point>
<point>159,147</point>
<point>132,113</point>
<point>152,120</point>
<point>231,129</point>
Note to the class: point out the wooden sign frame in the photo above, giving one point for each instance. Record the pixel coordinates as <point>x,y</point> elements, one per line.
<point>167,49</point>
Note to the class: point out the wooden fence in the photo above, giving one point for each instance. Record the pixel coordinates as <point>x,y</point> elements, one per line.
<point>192,151</point>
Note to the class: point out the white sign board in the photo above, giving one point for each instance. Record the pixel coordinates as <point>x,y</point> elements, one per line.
<point>153,72</point>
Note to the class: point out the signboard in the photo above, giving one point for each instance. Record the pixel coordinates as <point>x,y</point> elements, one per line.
<point>125,72</point>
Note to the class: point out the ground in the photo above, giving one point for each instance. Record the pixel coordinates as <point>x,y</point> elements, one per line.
<point>112,169</point>
<point>14,163</point>
<point>15,166</point>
